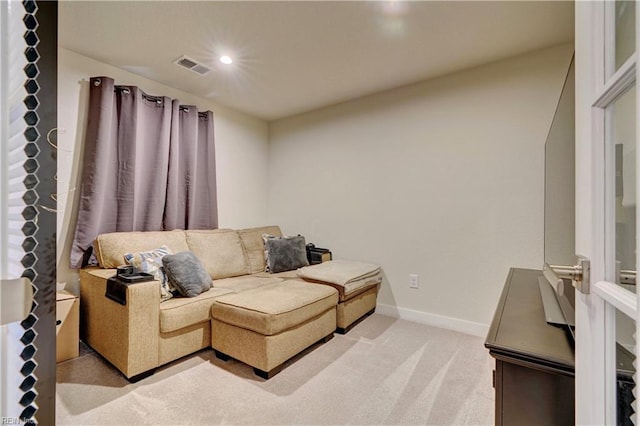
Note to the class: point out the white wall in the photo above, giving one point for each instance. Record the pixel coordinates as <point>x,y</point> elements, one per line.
<point>443,178</point>
<point>241,151</point>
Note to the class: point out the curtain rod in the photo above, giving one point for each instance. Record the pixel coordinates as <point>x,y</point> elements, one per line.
<point>157,99</point>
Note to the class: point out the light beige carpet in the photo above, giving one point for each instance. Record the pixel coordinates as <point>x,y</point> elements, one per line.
<point>384,371</point>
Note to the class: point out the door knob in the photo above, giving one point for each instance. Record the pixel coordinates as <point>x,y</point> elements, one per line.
<point>578,274</point>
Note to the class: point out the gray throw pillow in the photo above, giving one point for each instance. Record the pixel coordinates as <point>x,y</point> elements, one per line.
<point>186,273</point>
<point>285,253</point>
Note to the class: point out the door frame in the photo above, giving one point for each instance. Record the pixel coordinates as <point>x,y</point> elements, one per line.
<point>28,112</point>
<point>595,312</point>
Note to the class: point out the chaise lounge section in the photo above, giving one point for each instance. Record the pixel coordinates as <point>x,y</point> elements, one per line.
<point>357,284</point>
<point>266,326</point>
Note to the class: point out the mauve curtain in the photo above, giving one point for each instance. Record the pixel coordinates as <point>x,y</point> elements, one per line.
<point>149,165</point>
<point>191,190</point>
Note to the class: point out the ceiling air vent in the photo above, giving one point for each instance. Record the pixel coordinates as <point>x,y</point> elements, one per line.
<point>191,65</point>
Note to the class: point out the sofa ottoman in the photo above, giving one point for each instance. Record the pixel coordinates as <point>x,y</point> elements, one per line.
<point>357,284</point>
<point>266,326</point>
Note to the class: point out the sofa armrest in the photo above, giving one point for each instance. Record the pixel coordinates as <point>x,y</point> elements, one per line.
<point>127,336</point>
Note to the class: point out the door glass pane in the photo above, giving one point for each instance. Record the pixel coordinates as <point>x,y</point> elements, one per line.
<point>621,142</point>
<point>624,20</point>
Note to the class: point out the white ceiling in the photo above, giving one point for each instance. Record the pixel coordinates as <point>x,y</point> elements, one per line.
<point>292,57</point>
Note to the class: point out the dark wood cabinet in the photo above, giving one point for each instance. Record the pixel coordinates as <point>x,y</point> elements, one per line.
<point>535,369</point>
<point>534,376</point>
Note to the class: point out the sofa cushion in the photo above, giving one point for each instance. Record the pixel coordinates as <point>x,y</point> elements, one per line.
<point>352,289</point>
<point>186,273</point>
<point>284,253</point>
<point>347,276</point>
<point>246,282</point>
<point>286,275</point>
<point>273,309</point>
<point>111,247</point>
<point>340,272</point>
<point>220,251</point>
<point>254,246</point>
<point>181,312</point>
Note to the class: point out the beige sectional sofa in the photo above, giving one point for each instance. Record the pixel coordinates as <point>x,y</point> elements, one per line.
<point>259,318</point>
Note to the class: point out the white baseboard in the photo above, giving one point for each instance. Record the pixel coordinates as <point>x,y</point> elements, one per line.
<point>434,320</point>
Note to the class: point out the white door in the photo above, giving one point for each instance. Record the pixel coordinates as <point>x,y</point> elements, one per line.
<point>607,187</point>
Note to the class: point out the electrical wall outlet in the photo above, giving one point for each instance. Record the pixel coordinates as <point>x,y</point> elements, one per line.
<point>413,281</point>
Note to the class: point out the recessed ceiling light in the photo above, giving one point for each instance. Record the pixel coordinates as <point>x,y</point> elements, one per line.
<point>226,60</point>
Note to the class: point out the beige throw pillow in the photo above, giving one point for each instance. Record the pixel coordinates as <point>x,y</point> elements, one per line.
<point>150,262</point>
